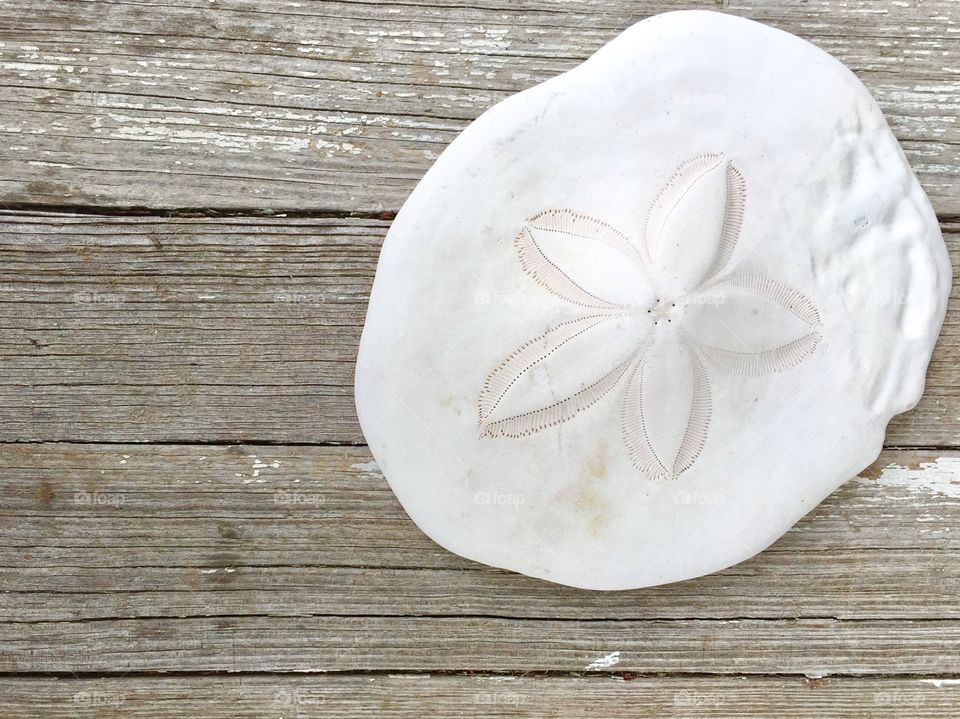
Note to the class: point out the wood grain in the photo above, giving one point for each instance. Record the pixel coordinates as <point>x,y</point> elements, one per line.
<point>266,558</point>
<point>813,647</point>
<point>442,696</point>
<point>231,329</point>
<point>344,105</point>
<point>187,528</point>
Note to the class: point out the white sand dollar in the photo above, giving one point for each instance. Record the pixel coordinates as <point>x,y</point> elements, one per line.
<point>639,319</point>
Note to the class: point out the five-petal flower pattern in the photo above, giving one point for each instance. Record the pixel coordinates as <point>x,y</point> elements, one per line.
<point>656,316</point>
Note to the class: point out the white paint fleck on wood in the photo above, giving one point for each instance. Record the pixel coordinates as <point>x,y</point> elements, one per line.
<point>940,477</point>
<point>370,468</point>
<point>604,662</point>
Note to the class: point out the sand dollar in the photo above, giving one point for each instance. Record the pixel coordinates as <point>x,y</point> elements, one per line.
<point>637,320</point>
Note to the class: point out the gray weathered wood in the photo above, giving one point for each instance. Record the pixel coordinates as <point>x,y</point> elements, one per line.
<point>813,647</point>
<point>296,563</point>
<point>253,558</point>
<point>343,105</point>
<point>235,329</point>
<point>784,582</point>
<point>444,696</point>
<point>134,531</point>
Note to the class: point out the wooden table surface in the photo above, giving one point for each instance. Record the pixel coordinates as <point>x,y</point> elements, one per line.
<point>194,193</point>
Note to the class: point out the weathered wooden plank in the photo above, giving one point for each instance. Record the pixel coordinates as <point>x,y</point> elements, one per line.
<point>125,533</point>
<point>125,332</point>
<point>778,584</point>
<point>419,696</point>
<point>815,647</point>
<point>235,329</point>
<point>344,104</point>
